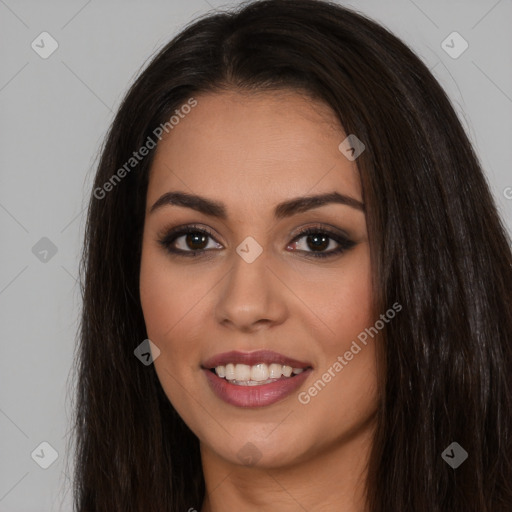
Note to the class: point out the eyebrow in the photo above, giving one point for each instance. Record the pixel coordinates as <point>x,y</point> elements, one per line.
<point>282,210</point>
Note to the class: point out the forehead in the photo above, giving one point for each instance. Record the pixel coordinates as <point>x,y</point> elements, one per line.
<point>254,148</point>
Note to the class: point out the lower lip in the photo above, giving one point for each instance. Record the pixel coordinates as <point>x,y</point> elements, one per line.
<point>255,396</point>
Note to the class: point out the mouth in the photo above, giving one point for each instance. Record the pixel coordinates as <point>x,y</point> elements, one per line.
<point>254,379</point>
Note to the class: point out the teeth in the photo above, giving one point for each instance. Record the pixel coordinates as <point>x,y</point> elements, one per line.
<point>242,372</point>
<point>230,371</point>
<point>259,372</point>
<point>275,371</point>
<point>245,375</point>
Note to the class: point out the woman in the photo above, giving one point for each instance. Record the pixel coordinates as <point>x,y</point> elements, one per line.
<point>296,284</point>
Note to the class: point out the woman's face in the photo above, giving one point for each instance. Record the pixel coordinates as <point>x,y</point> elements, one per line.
<point>253,299</point>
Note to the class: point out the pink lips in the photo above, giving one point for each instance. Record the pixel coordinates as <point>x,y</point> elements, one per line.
<point>254,396</point>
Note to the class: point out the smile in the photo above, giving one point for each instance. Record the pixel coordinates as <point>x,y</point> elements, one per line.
<point>254,379</point>
<point>258,374</point>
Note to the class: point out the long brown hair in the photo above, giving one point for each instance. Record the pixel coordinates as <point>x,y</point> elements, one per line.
<point>437,246</point>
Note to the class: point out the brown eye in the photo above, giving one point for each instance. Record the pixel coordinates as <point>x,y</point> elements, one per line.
<point>195,241</point>
<point>318,240</point>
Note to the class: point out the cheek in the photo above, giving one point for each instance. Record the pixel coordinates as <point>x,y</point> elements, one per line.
<point>163,307</point>
<point>167,324</point>
<point>166,294</point>
<point>343,302</point>
<point>173,302</point>
<point>351,303</point>
<point>345,393</point>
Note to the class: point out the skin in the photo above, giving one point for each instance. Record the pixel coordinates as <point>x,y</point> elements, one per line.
<point>252,151</point>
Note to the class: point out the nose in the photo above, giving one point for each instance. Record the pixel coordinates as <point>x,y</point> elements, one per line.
<point>251,296</point>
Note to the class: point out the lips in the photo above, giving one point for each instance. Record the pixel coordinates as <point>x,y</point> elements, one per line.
<point>257,395</point>
<point>252,358</point>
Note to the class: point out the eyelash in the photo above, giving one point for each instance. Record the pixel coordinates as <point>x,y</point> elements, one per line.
<point>172,235</point>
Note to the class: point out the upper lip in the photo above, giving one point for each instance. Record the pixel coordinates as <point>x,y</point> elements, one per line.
<point>252,358</point>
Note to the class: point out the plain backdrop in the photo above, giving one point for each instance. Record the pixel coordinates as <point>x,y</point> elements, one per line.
<point>55,112</point>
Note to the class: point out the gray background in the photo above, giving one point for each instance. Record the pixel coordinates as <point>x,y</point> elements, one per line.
<point>54,116</point>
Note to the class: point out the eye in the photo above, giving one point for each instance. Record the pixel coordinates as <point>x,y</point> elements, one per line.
<point>193,241</point>
<point>319,238</point>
